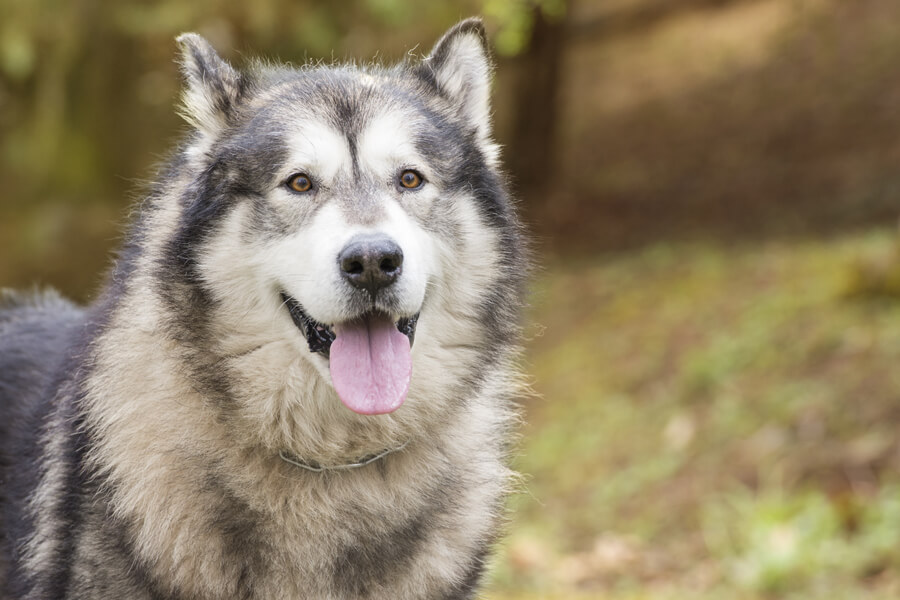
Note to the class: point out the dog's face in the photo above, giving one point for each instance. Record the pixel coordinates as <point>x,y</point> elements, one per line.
<point>344,208</point>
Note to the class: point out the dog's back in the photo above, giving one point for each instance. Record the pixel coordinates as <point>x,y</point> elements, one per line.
<point>35,334</point>
<point>36,331</point>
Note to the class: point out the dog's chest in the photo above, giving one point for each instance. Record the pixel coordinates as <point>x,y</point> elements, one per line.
<point>362,547</point>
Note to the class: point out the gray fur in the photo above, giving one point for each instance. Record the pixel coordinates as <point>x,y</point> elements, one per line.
<point>141,436</point>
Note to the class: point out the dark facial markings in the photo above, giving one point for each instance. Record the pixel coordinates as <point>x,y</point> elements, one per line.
<point>354,155</point>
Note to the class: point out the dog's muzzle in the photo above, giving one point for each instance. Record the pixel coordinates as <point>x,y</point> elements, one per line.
<point>369,355</point>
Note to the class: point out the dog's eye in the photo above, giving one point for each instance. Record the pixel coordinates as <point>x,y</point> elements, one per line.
<point>411,180</point>
<point>300,182</point>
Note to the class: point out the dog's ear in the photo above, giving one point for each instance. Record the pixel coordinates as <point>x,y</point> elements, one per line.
<point>461,66</point>
<point>212,86</point>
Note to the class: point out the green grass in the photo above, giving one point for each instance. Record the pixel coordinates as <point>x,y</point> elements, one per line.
<point>713,423</point>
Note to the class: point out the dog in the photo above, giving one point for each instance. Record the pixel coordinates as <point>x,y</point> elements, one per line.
<point>300,380</point>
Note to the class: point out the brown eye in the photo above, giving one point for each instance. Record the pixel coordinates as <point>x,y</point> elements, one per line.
<point>410,179</point>
<point>300,182</point>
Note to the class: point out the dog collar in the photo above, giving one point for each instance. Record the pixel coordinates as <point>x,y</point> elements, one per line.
<point>362,462</point>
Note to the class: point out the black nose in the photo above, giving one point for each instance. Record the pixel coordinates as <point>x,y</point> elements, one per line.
<point>371,262</point>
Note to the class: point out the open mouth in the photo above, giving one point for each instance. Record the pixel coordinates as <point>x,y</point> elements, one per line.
<point>369,356</point>
<point>320,336</point>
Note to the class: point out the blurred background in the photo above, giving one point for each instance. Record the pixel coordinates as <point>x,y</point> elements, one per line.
<point>714,190</point>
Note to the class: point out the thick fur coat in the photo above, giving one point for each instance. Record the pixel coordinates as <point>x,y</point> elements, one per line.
<point>182,437</point>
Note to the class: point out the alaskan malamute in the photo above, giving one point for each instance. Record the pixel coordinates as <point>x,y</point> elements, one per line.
<point>300,379</point>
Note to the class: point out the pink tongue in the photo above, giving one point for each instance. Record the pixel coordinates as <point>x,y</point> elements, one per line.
<point>371,365</point>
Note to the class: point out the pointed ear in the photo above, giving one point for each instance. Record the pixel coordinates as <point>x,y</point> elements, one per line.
<point>212,86</point>
<point>462,69</point>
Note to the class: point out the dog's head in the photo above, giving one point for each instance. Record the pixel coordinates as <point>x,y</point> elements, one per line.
<point>354,211</point>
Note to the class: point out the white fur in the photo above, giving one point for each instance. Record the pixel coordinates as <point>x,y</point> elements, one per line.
<point>385,145</point>
<point>317,150</point>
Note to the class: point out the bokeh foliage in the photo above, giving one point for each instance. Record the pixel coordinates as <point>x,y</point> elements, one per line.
<point>713,423</point>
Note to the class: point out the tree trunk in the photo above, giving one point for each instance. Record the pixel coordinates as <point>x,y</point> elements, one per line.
<point>537,96</point>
